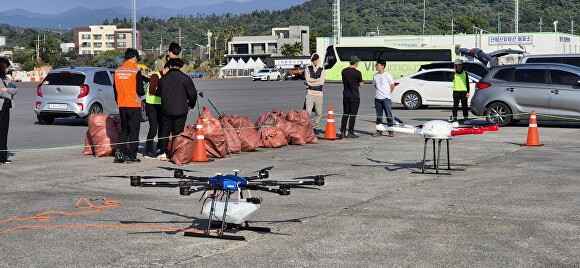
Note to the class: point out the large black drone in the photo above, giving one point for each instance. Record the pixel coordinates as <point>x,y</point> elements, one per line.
<point>231,211</point>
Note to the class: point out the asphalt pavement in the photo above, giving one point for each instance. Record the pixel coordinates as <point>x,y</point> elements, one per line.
<point>502,205</point>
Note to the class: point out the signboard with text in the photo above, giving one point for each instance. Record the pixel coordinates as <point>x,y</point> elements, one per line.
<point>511,40</point>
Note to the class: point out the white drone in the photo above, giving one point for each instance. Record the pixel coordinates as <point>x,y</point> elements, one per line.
<point>437,130</point>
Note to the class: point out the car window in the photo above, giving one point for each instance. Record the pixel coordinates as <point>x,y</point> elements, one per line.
<point>64,79</point>
<point>102,78</point>
<point>564,78</point>
<point>544,60</point>
<point>571,61</point>
<point>438,76</point>
<point>530,76</point>
<point>504,74</point>
<point>476,69</point>
<point>449,76</point>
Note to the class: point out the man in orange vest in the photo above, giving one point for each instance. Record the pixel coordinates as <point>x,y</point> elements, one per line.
<point>128,89</point>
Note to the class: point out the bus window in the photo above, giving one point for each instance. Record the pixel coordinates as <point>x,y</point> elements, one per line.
<point>330,58</point>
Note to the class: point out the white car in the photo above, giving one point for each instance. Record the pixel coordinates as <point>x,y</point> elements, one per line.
<point>267,75</point>
<point>428,87</point>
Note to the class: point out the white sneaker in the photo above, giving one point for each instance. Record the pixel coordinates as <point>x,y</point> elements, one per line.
<point>162,157</point>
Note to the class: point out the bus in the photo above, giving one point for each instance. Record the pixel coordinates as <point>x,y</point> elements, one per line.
<point>401,61</point>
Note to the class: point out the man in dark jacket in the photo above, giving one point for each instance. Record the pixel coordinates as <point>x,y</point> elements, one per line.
<point>178,95</point>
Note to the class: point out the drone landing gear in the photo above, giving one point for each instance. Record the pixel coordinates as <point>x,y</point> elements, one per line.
<point>436,155</point>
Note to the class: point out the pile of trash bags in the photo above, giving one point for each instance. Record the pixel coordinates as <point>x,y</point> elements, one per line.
<point>226,134</point>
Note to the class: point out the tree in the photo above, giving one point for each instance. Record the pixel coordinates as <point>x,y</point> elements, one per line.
<point>290,50</point>
<point>109,58</point>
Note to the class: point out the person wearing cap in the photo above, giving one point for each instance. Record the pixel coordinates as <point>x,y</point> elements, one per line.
<point>460,91</point>
<point>351,81</point>
<point>314,76</point>
<point>128,89</point>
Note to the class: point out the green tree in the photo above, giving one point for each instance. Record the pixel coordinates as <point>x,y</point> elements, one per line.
<point>290,50</point>
<point>109,58</point>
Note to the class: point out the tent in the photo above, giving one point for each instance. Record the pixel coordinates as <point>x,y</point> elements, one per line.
<point>230,69</point>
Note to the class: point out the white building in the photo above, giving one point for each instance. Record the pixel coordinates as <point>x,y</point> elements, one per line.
<point>533,43</point>
<point>95,39</point>
<point>67,47</point>
<point>263,47</point>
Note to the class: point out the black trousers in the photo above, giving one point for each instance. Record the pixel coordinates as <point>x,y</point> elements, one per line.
<point>173,125</point>
<point>4,123</point>
<point>155,124</point>
<point>350,109</point>
<point>130,126</point>
<point>460,96</point>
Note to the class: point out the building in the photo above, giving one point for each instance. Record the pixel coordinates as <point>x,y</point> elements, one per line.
<point>265,47</point>
<point>532,43</point>
<point>93,40</point>
<point>67,47</point>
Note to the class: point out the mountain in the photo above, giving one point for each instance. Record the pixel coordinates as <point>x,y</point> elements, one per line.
<point>79,16</point>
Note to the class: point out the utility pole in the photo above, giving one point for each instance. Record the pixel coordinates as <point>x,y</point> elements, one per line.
<point>572,27</point>
<point>453,30</point>
<point>541,23</point>
<point>209,45</point>
<point>179,37</point>
<point>161,46</point>
<point>517,17</point>
<point>336,24</point>
<point>134,24</point>
<point>424,17</point>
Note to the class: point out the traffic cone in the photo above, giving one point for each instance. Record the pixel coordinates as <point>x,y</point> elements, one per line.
<point>533,137</point>
<point>199,153</point>
<point>330,133</point>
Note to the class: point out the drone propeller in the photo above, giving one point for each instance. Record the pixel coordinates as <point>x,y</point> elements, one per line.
<point>317,176</point>
<point>142,177</point>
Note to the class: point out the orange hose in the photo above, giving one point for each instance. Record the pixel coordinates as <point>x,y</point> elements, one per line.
<point>89,208</point>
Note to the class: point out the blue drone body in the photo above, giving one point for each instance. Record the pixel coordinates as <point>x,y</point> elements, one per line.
<point>227,182</point>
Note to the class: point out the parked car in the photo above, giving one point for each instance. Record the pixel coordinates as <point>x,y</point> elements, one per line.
<point>473,67</point>
<point>572,59</point>
<point>428,87</point>
<point>508,93</point>
<point>267,75</point>
<point>75,93</point>
<point>295,74</point>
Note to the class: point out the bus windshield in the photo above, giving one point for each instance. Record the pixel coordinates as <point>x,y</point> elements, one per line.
<point>401,61</point>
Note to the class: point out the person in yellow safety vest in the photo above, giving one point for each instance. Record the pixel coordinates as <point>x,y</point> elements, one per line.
<point>153,111</point>
<point>460,91</point>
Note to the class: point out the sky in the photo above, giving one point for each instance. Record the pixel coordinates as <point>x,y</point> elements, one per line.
<point>59,6</point>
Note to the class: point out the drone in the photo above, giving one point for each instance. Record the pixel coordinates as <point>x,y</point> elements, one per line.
<point>437,130</point>
<point>225,200</point>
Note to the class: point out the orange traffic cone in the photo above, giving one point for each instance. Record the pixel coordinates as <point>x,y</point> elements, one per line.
<point>533,137</point>
<point>330,133</point>
<point>199,153</point>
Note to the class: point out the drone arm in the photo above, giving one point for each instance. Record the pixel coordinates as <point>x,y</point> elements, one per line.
<point>473,130</point>
<point>283,190</point>
<point>406,130</point>
<point>161,184</point>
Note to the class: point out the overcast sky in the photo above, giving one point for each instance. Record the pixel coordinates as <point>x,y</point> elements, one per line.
<point>59,6</point>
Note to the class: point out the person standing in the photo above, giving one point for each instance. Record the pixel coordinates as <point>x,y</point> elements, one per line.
<point>178,97</point>
<point>153,110</point>
<point>7,92</point>
<point>172,53</point>
<point>351,81</point>
<point>128,89</point>
<point>384,85</point>
<point>460,91</point>
<point>314,97</point>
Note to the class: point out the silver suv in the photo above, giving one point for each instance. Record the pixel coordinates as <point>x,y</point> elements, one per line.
<point>75,93</point>
<point>508,93</point>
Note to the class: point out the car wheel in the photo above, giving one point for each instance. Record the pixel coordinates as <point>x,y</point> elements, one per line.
<point>279,78</point>
<point>144,117</point>
<point>95,109</point>
<point>45,120</point>
<point>498,113</point>
<point>268,78</point>
<point>412,100</point>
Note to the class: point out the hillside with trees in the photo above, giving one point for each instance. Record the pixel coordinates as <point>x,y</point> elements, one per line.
<point>358,17</point>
